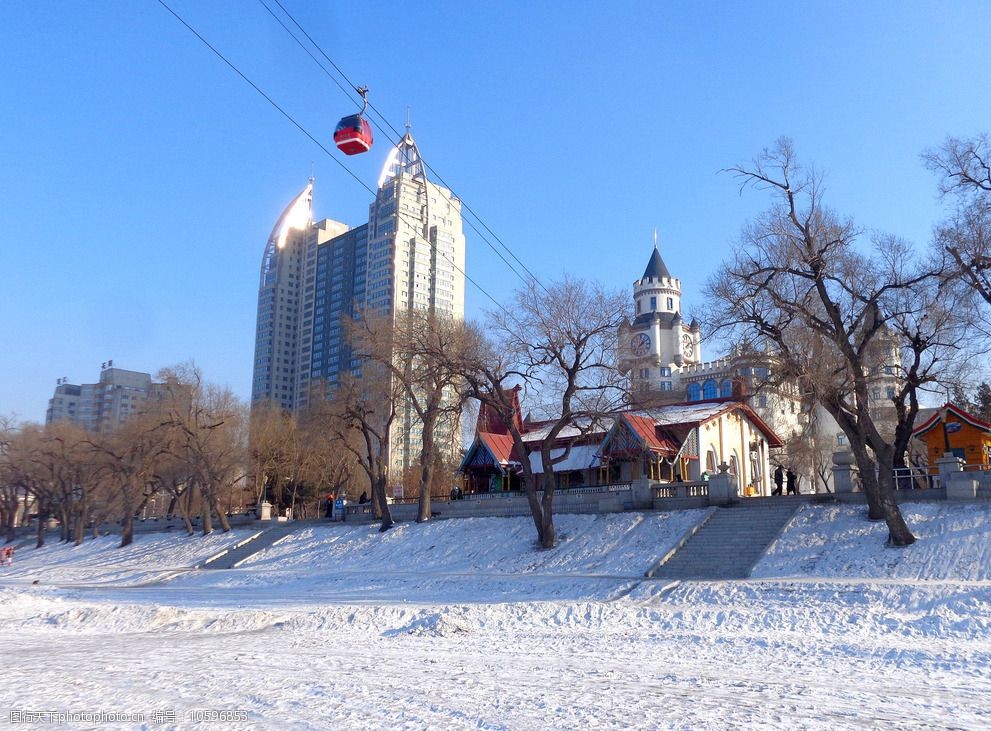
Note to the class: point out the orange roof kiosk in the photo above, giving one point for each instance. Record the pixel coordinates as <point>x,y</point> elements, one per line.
<point>951,429</point>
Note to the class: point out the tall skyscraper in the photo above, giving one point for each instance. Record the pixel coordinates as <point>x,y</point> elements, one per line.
<point>282,302</point>
<point>410,255</point>
<point>416,260</point>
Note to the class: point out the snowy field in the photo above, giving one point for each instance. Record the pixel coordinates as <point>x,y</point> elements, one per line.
<point>463,624</point>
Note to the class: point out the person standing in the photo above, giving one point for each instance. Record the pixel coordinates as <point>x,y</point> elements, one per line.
<point>779,478</point>
<point>792,483</point>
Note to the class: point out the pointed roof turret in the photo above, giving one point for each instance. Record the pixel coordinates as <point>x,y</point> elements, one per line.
<point>404,158</point>
<point>655,267</point>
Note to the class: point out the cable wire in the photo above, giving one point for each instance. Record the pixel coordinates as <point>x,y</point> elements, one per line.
<point>388,124</point>
<point>319,144</point>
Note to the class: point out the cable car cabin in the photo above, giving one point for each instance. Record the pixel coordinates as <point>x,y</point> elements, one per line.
<point>353,135</point>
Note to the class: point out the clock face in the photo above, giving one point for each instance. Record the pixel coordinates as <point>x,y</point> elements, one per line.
<point>640,344</point>
<point>687,345</point>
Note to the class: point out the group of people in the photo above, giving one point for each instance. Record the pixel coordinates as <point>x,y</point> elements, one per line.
<point>7,556</point>
<point>790,480</point>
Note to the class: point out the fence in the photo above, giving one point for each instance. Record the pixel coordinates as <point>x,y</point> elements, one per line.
<point>916,478</point>
<point>681,490</point>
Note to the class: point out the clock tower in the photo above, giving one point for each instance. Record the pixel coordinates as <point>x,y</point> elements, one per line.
<point>658,343</point>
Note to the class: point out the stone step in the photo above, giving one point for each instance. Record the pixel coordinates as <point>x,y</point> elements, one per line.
<point>730,542</point>
<point>264,538</point>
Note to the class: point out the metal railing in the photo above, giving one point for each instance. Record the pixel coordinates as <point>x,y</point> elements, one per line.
<point>916,478</point>
<point>577,490</point>
<point>681,490</point>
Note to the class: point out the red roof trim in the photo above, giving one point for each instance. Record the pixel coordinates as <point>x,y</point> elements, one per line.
<point>937,418</point>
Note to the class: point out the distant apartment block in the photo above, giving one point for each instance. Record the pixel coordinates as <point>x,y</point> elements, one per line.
<point>102,406</point>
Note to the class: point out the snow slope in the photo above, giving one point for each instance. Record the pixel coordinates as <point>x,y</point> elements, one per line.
<point>102,561</point>
<point>835,541</point>
<point>463,624</point>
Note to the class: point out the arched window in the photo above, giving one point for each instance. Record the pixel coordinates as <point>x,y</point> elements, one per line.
<point>710,461</point>
<point>710,389</point>
<point>694,392</point>
<point>726,388</point>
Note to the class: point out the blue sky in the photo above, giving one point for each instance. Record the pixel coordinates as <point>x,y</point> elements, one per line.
<point>141,176</point>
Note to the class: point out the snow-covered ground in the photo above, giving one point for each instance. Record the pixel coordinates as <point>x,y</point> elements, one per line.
<point>954,542</point>
<point>102,561</point>
<point>464,624</point>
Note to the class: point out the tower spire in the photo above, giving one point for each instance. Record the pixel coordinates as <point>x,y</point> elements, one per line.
<point>655,237</point>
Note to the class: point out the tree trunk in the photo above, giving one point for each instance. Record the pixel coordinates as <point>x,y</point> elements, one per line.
<point>868,478</point>
<point>63,527</point>
<point>536,512</point>
<point>224,525</point>
<point>207,514</point>
<point>79,529</point>
<point>426,471</point>
<point>42,517</point>
<point>184,506</point>
<point>379,489</point>
<point>9,532</point>
<point>127,529</point>
<point>548,535</point>
<point>899,534</point>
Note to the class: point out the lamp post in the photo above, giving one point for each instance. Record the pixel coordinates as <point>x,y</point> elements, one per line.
<point>945,414</point>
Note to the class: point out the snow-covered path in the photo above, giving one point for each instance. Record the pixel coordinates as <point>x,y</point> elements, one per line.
<point>548,642</point>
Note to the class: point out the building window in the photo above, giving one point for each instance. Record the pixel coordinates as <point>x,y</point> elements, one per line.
<point>841,439</point>
<point>667,386</point>
<point>694,392</point>
<point>710,389</point>
<point>665,371</point>
<point>670,303</point>
<point>726,389</point>
<point>645,373</point>
<point>653,304</point>
<point>891,392</point>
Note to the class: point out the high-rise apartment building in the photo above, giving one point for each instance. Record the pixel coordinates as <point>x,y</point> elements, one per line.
<point>410,255</point>
<point>102,406</point>
<point>285,301</point>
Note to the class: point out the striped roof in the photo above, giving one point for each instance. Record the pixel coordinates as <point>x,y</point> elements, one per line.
<point>936,419</point>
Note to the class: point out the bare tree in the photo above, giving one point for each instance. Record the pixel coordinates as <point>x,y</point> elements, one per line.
<point>279,452</point>
<point>420,350</point>
<point>11,484</point>
<point>127,460</point>
<point>57,465</point>
<point>209,429</point>
<point>559,343</point>
<point>328,465</point>
<point>836,317</point>
<point>964,178</point>
<point>358,413</point>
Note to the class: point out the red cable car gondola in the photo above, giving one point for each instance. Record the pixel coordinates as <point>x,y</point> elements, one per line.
<point>353,134</point>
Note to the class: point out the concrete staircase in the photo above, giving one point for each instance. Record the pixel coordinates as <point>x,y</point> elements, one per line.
<point>259,541</point>
<point>731,541</point>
